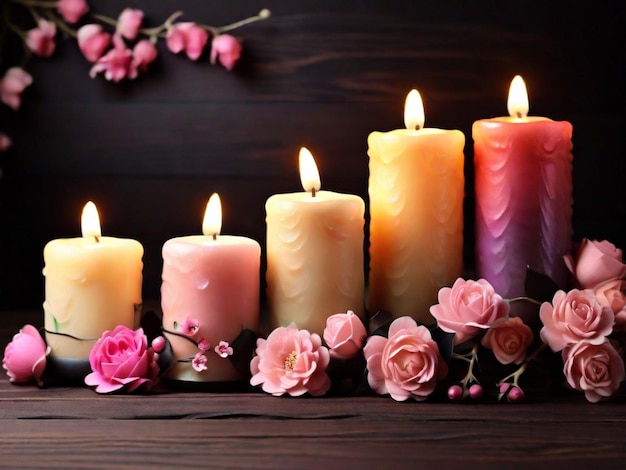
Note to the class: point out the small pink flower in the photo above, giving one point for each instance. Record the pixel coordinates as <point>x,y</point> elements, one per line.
<point>595,263</point>
<point>406,364</point>
<point>92,41</point>
<point>573,317</point>
<point>144,53</point>
<point>12,86</point>
<point>509,339</point>
<point>468,307</point>
<point>25,357</point>
<point>227,49</point>
<point>72,10</point>
<point>187,37</point>
<point>40,40</point>
<point>129,23</point>
<point>117,64</point>
<point>223,349</point>
<point>122,358</point>
<point>291,361</point>
<point>344,334</point>
<point>596,369</point>
<point>199,362</point>
<point>5,142</point>
<point>190,327</point>
<point>204,345</point>
<point>611,295</point>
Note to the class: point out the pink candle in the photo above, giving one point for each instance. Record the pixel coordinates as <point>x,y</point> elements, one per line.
<point>523,195</point>
<point>210,292</point>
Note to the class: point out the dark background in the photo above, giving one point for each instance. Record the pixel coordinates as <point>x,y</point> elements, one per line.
<point>321,73</point>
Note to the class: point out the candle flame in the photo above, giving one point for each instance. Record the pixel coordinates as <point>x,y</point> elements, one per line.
<point>414,110</point>
<point>309,174</point>
<point>212,223</point>
<point>518,98</point>
<point>90,222</point>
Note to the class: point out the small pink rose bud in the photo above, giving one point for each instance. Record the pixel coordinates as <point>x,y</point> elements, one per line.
<point>516,395</point>
<point>504,387</point>
<point>476,392</point>
<point>72,10</point>
<point>129,23</point>
<point>158,344</point>
<point>144,53</point>
<point>455,393</point>
<point>92,41</point>
<point>40,40</point>
<point>187,37</point>
<point>344,334</point>
<point>226,49</point>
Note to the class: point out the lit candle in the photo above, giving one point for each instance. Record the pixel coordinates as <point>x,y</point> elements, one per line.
<point>416,214</point>
<point>314,253</point>
<point>210,292</point>
<point>523,195</point>
<point>93,284</point>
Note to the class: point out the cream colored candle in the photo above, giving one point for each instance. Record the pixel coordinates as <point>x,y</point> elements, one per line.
<point>210,292</point>
<point>93,284</point>
<point>314,253</point>
<point>416,208</point>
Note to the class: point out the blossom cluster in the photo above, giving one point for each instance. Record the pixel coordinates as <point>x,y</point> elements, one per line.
<point>119,48</point>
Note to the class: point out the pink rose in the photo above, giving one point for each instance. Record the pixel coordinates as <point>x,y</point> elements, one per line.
<point>72,10</point>
<point>144,53</point>
<point>406,364</point>
<point>92,41</point>
<point>611,295</point>
<point>187,37</point>
<point>117,64</point>
<point>129,23</point>
<point>291,361</point>
<point>122,358</point>
<point>468,307</point>
<point>596,262</point>
<point>5,142</point>
<point>40,40</point>
<point>25,356</point>
<point>12,86</point>
<point>596,369</point>
<point>509,339</point>
<point>227,49</point>
<point>344,334</point>
<point>574,316</point>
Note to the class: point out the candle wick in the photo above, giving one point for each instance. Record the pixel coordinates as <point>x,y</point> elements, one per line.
<point>417,127</point>
<point>97,238</point>
<point>215,236</point>
<point>518,115</point>
<point>312,192</point>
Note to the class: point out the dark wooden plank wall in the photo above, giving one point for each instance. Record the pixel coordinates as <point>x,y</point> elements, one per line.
<point>320,73</point>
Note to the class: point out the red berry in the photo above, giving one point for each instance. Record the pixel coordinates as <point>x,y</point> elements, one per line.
<point>455,393</point>
<point>476,391</point>
<point>516,394</point>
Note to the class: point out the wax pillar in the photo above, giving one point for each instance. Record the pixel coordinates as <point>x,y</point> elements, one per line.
<point>314,254</point>
<point>523,196</point>
<point>416,214</point>
<point>92,284</point>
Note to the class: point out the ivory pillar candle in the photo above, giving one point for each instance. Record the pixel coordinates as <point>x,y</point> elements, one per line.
<point>314,253</point>
<point>416,214</point>
<point>92,284</point>
<point>210,292</point>
<point>523,195</point>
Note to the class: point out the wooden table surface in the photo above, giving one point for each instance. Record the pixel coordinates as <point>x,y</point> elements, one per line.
<point>77,428</point>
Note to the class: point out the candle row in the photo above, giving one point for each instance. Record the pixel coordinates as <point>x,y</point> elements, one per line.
<point>210,288</point>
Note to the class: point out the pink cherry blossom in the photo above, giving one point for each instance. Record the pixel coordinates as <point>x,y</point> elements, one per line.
<point>12,85</point>
<point>596,262</point>
<point>226,49</point>
<point>72,10</point>
<point>406,364</point>
<point>5,142</point>
<point>468,307</point>
<point>129,23</point>
<point>117,64</point>
<point>596,369</point>
<point>574,316</point>
<point>509,339</point>
<point>40,40</point>
<point>93,41</point>
<point>187,37</point>
<point>144,53</point>
<point>204,345</point>
<point>190,326</point>
<point>25,357</point>
<point>122,358</point>
<point>223,349</point>
<point>344,334</point>
<point>291,361</point>
<point>199,362</point>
